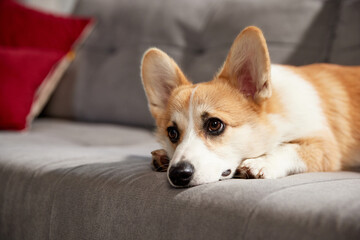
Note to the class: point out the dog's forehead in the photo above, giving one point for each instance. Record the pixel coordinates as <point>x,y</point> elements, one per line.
<point>179,101</point>
<point>194,100</point>
<point>213,99</point>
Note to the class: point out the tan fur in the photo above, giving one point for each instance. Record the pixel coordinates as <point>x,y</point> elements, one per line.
<point>179,102</point>
<point>157,68</point>
<point>337,87</point>
<point>339,91</point>
<point>249,55</point>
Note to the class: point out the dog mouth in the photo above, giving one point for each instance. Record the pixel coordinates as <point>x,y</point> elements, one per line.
<point>176,184</point>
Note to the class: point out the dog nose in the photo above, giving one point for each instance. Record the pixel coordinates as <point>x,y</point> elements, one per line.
<point>181,174</point>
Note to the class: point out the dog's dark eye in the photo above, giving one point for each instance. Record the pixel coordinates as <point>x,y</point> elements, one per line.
<point>173,134</point>
<point>214,126</point>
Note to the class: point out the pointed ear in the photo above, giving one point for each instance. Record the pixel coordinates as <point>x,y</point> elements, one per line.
<point>247,65</point>
<point>160,76</point>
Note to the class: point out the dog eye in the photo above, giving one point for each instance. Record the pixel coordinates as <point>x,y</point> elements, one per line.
<point>214,126</point>
<point>173,134</point>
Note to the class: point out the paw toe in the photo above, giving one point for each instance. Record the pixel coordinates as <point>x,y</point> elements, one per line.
<point>160,160</point>
<point>244,172</point>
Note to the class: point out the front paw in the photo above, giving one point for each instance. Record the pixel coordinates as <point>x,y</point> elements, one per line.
<point>160,160</point>
<point>259,168</point>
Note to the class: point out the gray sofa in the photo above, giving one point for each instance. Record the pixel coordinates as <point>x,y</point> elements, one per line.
<point>83,170</point>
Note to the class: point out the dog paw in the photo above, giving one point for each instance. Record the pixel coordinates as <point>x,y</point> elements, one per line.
<point>258,168</point>
<point>160,160</point>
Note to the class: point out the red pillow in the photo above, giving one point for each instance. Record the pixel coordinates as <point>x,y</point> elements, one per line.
<point>25,27</point>
<point>22,70</point>
<point>35,49</point>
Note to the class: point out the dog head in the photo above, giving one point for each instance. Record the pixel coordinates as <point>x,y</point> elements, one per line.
<point>207,129</point>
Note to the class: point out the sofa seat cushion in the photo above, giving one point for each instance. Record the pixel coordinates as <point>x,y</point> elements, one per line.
<point>69,180</point>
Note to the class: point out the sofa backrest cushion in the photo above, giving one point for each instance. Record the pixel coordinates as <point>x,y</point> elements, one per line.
<point>104,83</point>
<point>346,46</point>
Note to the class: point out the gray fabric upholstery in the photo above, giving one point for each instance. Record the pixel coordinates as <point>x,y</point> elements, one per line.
<point>76,180</point>
<point>346,47</point>
<point>68,180</point>
<point>103,84</point>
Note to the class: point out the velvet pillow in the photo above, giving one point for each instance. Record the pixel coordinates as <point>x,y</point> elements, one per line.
<point>35,50</point>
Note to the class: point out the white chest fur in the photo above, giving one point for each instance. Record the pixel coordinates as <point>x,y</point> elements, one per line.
<point>303,116</point>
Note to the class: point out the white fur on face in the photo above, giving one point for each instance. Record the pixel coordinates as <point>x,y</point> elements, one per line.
<point>247,141</point>
<point>208,165</point>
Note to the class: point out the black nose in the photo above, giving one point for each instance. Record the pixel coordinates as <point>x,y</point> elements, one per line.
<point>181,174</point>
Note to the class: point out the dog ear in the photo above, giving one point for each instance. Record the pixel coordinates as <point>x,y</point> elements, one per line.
<point>160,76</point>
<point>247,65</point>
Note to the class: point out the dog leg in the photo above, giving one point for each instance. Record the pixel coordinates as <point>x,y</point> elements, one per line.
<point>160,160</point>
<point>305,155</point>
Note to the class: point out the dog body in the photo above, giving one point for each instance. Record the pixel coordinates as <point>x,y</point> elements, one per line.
<point>254,119</point>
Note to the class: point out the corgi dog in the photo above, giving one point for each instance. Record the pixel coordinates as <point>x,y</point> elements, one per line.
<point>253,119</point>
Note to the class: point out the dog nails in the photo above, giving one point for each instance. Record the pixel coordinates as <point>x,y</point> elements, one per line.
<point>160,160</point>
